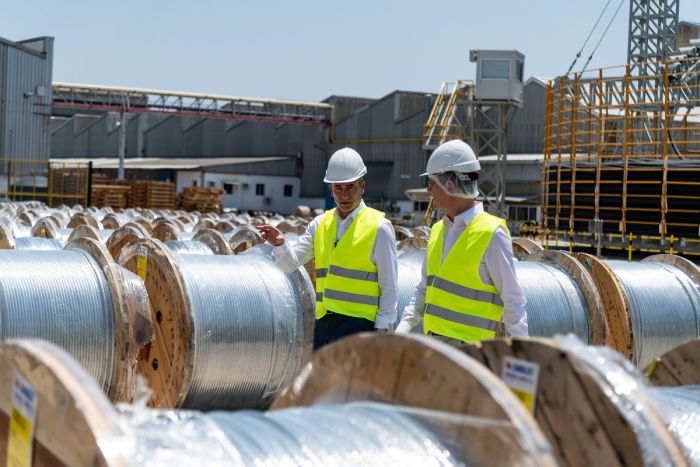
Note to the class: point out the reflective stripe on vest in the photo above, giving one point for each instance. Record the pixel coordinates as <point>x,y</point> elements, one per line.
<point>346,279</point>
<point>464,292</point>
<point>458,304</point>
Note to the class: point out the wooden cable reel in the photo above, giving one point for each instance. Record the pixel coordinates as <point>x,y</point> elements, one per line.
<point>573,410</point>
<point>123,236</point>
<point>244,237</point>
<point>214,240</point>
<point>679,366</point>
<point>522,247</point>
<point>616,302</point>
<point>417,371</point>
<point>133,327</point>
<point>599,334</point>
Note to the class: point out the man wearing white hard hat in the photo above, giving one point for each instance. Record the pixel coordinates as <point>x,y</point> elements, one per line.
<point>468,284</point>
<point>354,247</point>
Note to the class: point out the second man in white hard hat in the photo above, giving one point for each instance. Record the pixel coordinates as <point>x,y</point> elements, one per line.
<point>354,248</point>
<point>468,283</point>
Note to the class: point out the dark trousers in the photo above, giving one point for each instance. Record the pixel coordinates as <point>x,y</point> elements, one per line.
<point>334,326</point>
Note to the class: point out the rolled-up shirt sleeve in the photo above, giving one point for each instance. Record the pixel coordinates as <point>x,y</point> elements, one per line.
<point>413,312</point>
<point>290,258</point>
<point>501,267</point>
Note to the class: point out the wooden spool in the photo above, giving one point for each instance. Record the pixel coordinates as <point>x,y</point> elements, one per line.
<point>25,219</point>
<point>146,224</point>
<point>522,247</point>
<point>422,231</point>
<point>244,237</point>
<point>290,227</point>
<point>44,228</point>
<point>302,211</point>
<point>412,242</point>
<point>417,371</point>
<point>686,266</point>
<point>225,227</point>
<point>133,327</point>
<point>60,219</point>
<point>402,233</point>
<point>83,219</point>
<point>574,411</point>
<point>74,420</point>
<point>111,221</point>
<point>7,238</point>
<point>596,313</point>
<point>123,236</point>
<point>85,231</point>
<point>166,230</point>
<point>214,240</point>
<point>679,366</point>
<point>168,362</point>
<point>614,302</point>
<point>204,224</point>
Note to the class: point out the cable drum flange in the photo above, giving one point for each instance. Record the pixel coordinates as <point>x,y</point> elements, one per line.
<point>562,297</point>
<point>76,298</point>
<point>231,331</point>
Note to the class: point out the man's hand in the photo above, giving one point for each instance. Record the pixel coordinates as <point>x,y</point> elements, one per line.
<point>271,234</point>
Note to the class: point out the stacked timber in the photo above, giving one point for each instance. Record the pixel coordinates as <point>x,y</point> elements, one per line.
<point>105,192</point>
<point>201,199</point>
<point>152,194</point>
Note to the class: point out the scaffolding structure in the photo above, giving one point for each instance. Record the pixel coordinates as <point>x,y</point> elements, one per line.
<point>622,169</point>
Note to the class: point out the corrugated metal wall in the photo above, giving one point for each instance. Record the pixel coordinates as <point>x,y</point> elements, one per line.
<point>25,98</point>
<point>526,129</point>
<point>392,167</point>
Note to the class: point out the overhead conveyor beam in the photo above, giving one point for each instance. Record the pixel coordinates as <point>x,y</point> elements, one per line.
<point>109,98</point>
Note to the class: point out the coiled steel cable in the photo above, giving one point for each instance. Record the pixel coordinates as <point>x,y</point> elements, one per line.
<point>680,407</point>
<point>248,328</point>
<point>62,297</point>
<point>363,434</point>
<point>192,247</point>
<point>410,263</point>
<point>38,243</point>
<point>664,307</point>
<point>555,304</point>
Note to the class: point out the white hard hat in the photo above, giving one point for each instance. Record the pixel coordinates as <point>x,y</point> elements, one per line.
<point>452,156</point>
<point>345,166</point>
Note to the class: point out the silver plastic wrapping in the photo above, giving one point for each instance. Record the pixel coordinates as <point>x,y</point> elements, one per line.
<point>555,304</point>
<point>250,338</point>
<point>62,297</point>
<point>38,243</point>
<point>192,247</point>
<point>354,434</point>
<point>664,306</point>
<point>409,274</point>
<point>681,409</point>
<point>627,390</point>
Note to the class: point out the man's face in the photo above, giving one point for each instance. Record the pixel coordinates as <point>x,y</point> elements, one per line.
<point>440,197</point>
<point>347,196</point>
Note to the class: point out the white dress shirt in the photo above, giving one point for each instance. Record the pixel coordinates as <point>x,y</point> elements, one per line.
<point>497,268</point>
<point>383,256</point>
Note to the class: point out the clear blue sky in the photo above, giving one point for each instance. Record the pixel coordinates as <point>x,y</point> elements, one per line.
<point>296,49</point>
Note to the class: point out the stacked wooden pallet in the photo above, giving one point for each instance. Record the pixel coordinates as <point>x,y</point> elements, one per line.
<point>107,192</point>
<point>201,199</point>
<point>152,194</point>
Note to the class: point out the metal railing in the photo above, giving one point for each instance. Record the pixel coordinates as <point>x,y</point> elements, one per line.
<point>622,154</point>
<point>48,181</point>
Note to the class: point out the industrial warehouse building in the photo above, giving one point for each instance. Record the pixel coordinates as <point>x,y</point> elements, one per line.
<point>270,159</point>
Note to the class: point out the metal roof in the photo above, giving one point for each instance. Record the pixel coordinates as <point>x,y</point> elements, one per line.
<point>175,163</point>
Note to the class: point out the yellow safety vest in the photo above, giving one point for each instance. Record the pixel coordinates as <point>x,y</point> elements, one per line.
<point>458,304</point>
<point>346,279</point>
